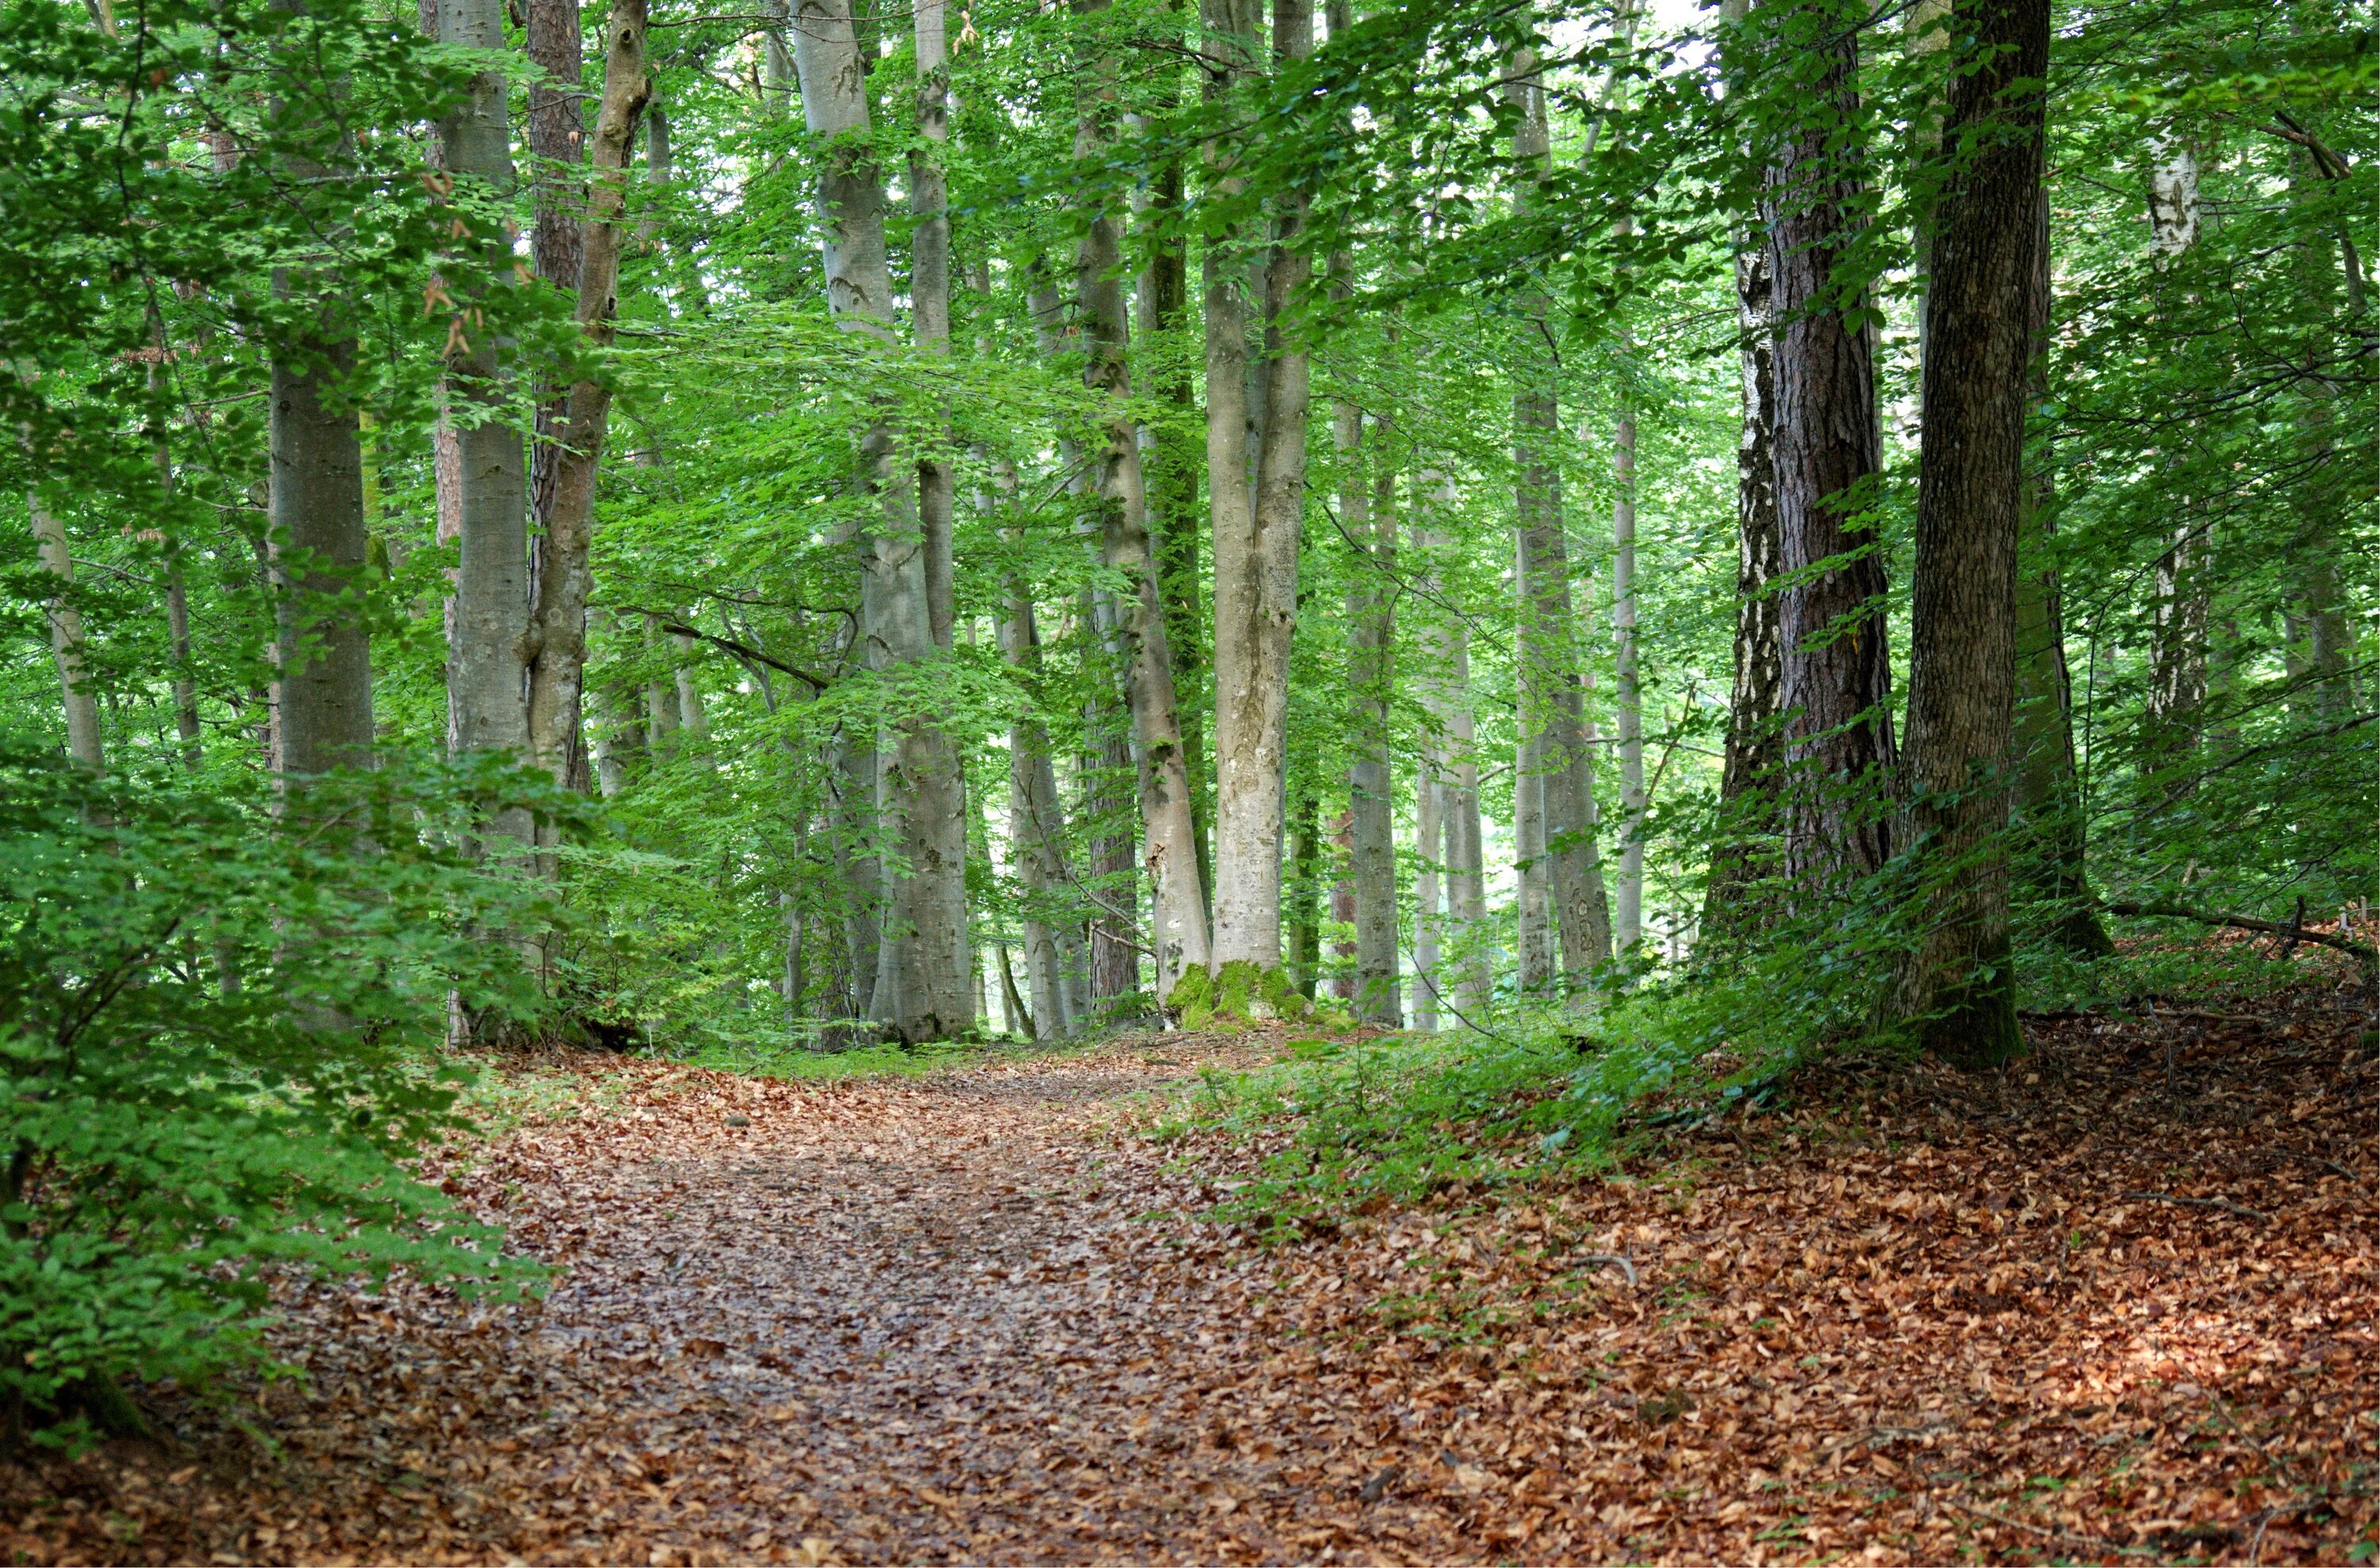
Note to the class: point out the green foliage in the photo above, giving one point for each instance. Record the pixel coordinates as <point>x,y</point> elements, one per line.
<point>223,1044</point>
<point>1239,993</point>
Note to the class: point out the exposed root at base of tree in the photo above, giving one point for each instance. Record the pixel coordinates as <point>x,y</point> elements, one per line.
<point>1918,1316</point>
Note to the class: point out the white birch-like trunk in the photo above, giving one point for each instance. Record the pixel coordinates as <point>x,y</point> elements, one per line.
<point>1629,923</point>
<point>82,708</point>
<point>2184,574</point>
<point>1429,843</point>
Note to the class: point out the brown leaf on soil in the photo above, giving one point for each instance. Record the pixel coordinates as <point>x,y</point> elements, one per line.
<point>972,1317</point>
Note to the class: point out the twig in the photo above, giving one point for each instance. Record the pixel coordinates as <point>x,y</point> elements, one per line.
<point>2225,1204</point>
<point>2333,1166</point>
<point>2241,922</point>
<point>1612,1260</point>
<point>2279,1467</point>
<point>2053,1532</point>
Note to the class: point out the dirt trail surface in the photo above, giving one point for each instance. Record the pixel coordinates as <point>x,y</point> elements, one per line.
<point>967,1317</point>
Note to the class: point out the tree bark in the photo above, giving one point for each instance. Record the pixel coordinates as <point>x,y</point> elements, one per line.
<point>2048,801</point>
<point>1179,937</point>
<point>1429,840</point>
<point>556,123</point>
<point>1037,831</point>
<point>1555,788</point>
<point>317,507</point>
<point>920,990</point>
<point>2184,574</point>
<point>82,708</point>
<point>1629,924</point>
<point>1369,518</point>
<point>1446,692</point>
<point>1256,597</point>
<point>1962,985</point>
<point>558,672</point>
<point>1831,622</point>
<point>1748,816</point>
<point>1172,473</point>
<point>487,653</point>
<point>929,293</point>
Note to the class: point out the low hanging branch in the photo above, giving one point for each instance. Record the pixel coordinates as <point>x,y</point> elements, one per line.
<point>2240,923</point>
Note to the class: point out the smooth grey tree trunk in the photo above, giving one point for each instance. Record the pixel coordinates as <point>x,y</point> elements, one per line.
<point>1256,549</point>
<point>1555,816</point>
<point>921,988</point>
<point>1961,984</point>
<point>1629,922</point>
<point>1179,937</point>
<point>1037,832</point>
<point>316,509</point>
<point>1369,518</point>
<point>1430,848</point>
<point>486,677</point>
<point>1446,692</point>
<point>82,708</point>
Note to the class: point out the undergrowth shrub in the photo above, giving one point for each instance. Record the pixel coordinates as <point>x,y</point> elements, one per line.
<point>222,1024</point>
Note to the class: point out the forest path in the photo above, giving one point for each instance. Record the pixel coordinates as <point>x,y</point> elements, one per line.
<point>2116,1302</point>
<point>900,1318</point>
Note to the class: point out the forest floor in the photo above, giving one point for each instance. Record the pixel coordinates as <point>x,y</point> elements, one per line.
<point>2117,1305</point>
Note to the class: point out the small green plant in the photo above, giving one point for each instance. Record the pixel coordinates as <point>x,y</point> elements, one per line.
<point>221,1021</point>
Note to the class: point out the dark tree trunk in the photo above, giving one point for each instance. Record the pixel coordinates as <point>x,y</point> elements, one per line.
<point>1306,897</point>
<point>1960,986</point>
<point>2048,801</point>
<point>1837,674</point>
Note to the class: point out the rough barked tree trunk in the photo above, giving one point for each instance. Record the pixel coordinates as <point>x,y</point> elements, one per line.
<point>2048,802</point>
<point>555,123</point>
<point>487,651</point>
<point>1836,680</point>
<point>1962,985</point>
<point>557,673</point>
<point>1256,595</point>
<point>920,989</point>
<point>1168,833</point>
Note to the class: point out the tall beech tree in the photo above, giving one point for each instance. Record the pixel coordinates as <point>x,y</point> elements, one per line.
<point>920,989</point>
<point>1837,672</point>
<point>1970,490</point>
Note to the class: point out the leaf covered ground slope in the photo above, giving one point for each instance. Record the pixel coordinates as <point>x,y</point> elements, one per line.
<point>1919,1318</point>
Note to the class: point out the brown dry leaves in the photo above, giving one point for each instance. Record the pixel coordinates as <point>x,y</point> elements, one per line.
<point>932,1320</point>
